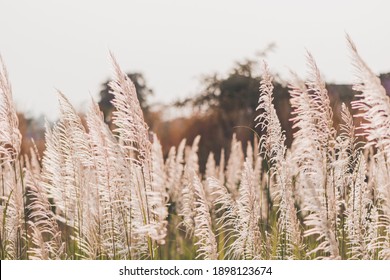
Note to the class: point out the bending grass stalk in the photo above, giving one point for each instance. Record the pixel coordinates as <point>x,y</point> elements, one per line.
<point>4,240</point>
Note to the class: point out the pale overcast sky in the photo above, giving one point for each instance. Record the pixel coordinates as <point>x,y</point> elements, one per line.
<point>52,44</point>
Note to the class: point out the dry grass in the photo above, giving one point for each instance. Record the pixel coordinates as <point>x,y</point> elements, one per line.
<point>101,194</point>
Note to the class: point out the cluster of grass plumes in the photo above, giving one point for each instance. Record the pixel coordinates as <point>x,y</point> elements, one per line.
<point>102,194</point>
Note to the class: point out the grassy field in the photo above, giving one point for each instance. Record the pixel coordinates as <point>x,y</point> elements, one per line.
<point>102,194</point>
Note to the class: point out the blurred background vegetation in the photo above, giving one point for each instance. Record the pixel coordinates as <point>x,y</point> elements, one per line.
<point>225,105</point>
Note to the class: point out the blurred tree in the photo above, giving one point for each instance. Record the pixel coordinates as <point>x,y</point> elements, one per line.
<point>385,80</point>
<point>228,105</point>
